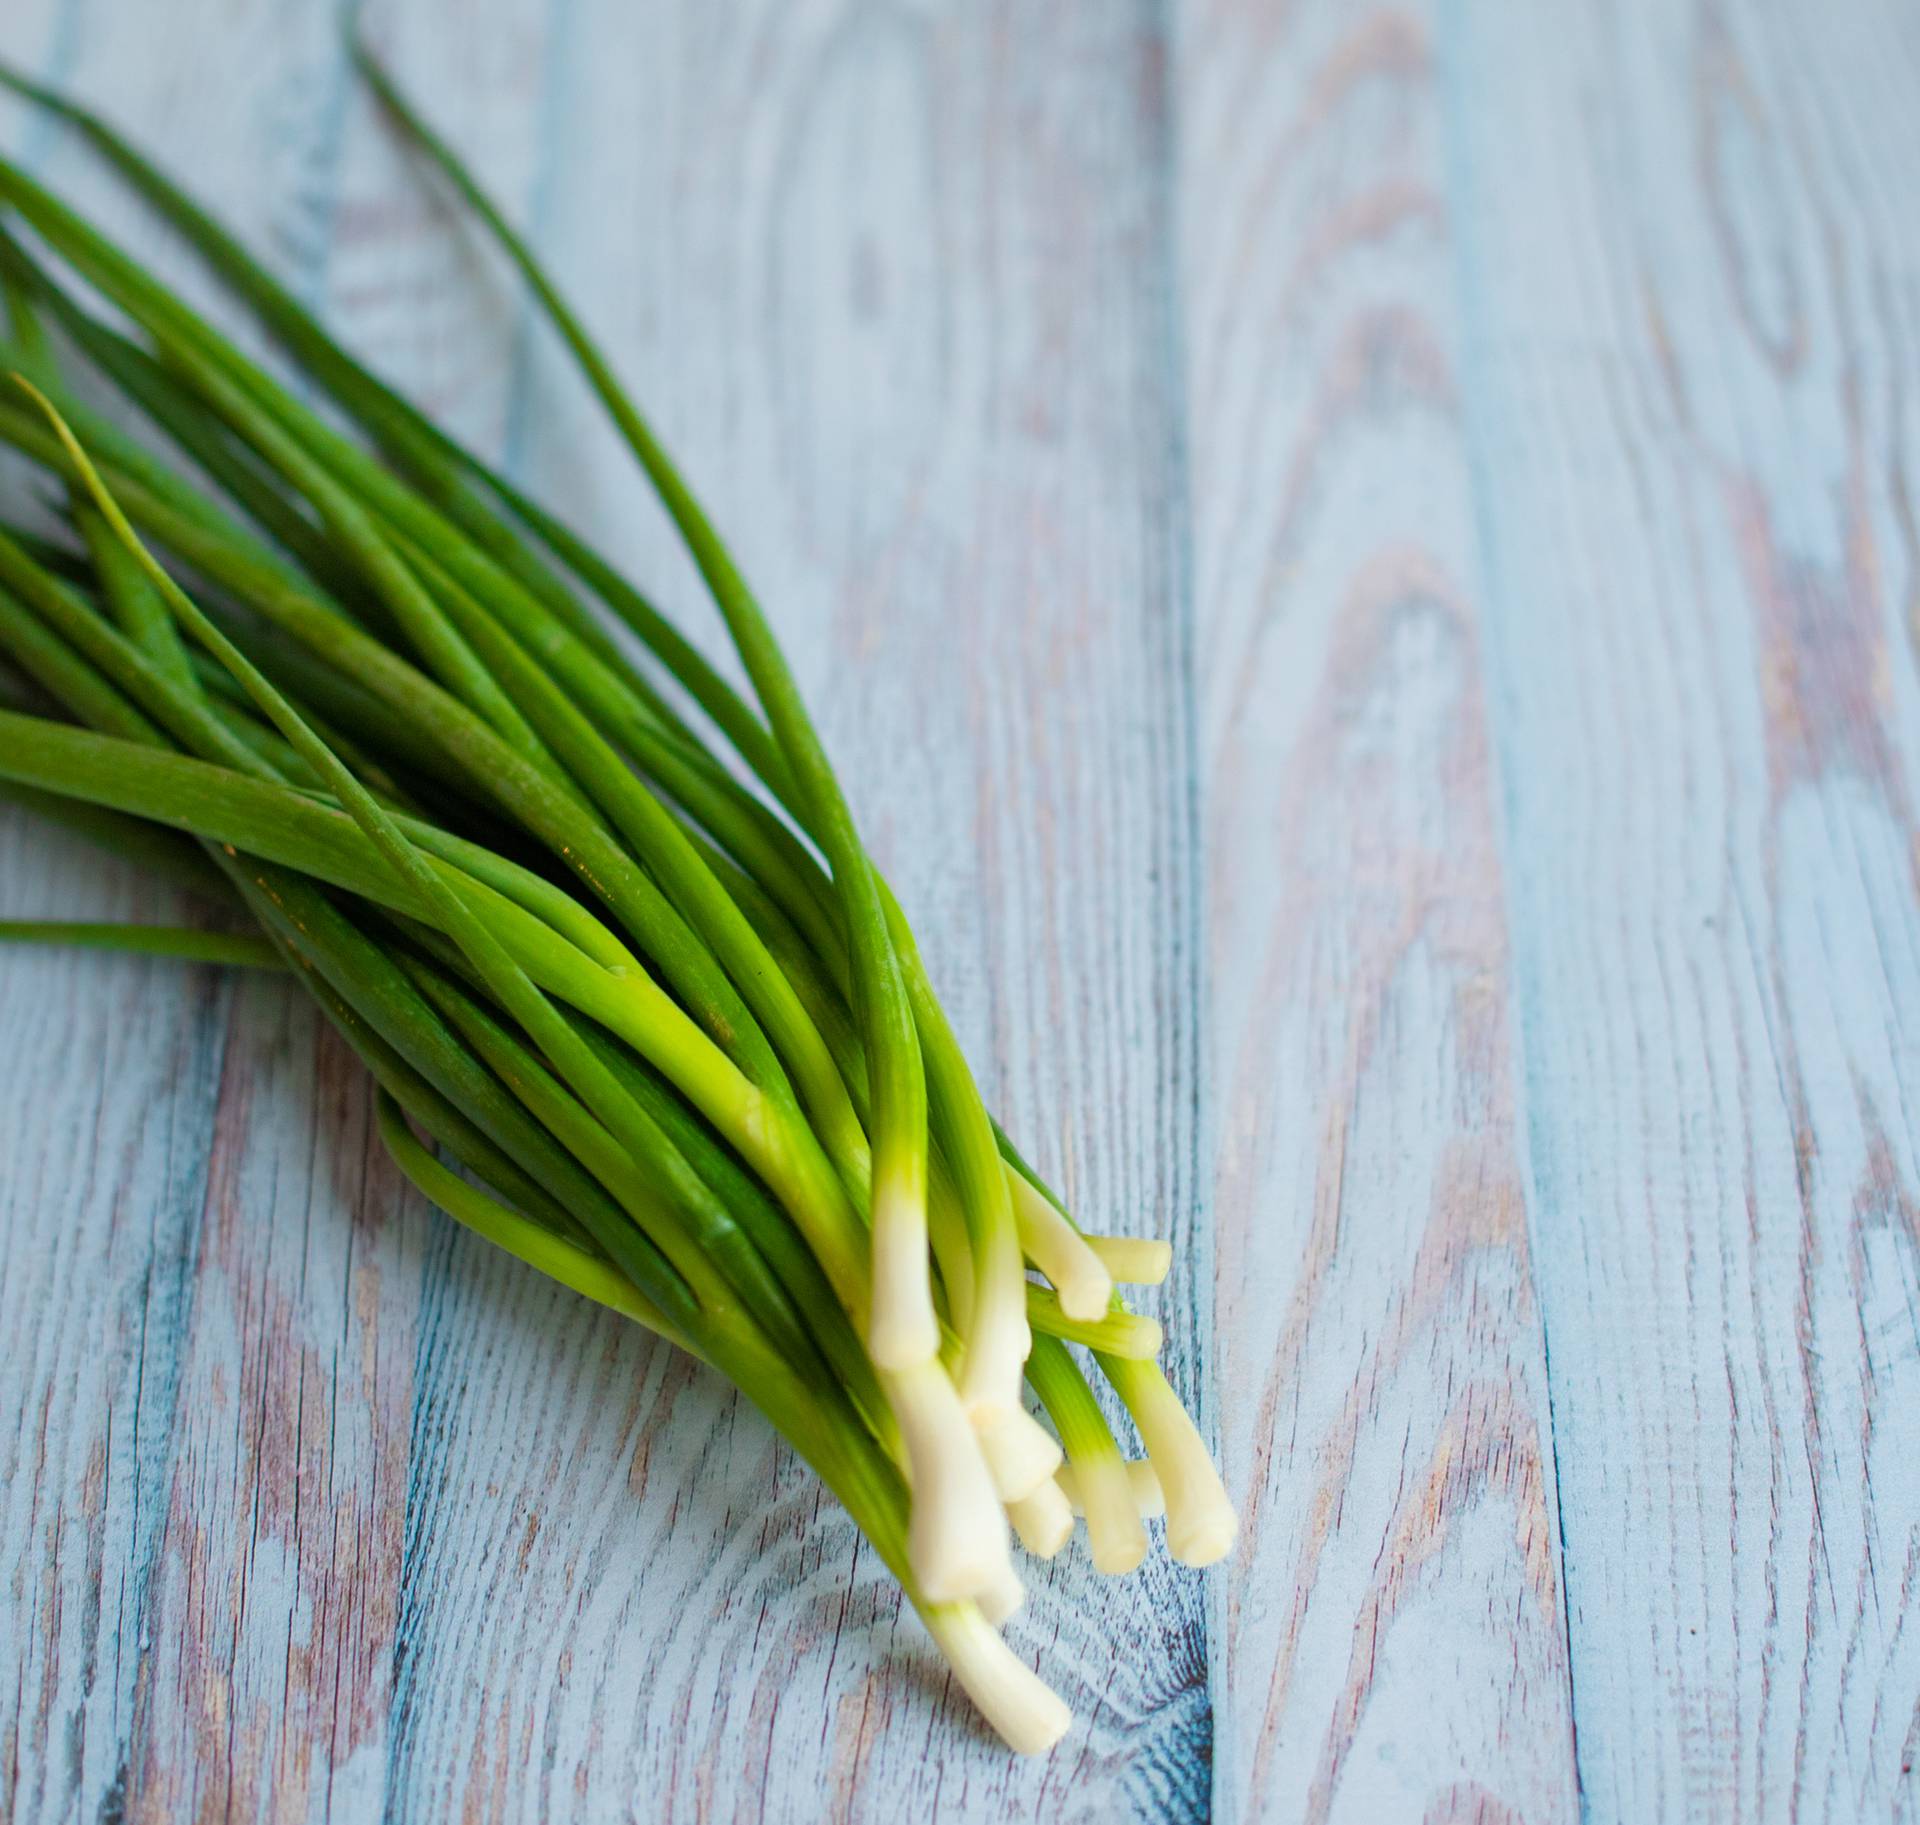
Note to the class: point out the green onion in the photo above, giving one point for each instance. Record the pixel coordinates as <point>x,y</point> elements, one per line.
<point>660,1033</point>
<point>586,1272</point>
<point>1148,1496</point>
<point>1200,1519</point>
<point>1133,1260</point>
<point>181,942</point>
<point>1115,1537</point>
<point>1043,1521</point>
<point>903,1332</point>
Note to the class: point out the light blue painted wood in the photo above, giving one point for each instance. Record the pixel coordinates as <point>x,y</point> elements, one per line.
<point>1472,442</point>
<point>841,293</point>
<point>1393,1642</point>
<point>1688,289</point>
<point>839,290</point>
<point>191,1478</point>
<point>104,1137</point>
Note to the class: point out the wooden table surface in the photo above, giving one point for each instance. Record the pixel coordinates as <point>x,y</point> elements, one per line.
<point>1365,561</point>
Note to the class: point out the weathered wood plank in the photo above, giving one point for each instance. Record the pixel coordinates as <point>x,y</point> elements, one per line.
<point>205,1538</point>
<point>890,282</point>
<point>1394,1640</point>
<point>1548,376</point>
<point>109,1077</point>
<point>1689,286</point>
<point>276,1587</point>
<point>846,260</point>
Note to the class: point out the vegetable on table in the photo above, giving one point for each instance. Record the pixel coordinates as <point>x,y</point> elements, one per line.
<point>640,1007</point>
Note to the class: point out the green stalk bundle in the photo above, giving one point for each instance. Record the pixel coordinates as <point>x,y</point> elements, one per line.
<point>642,1013</point>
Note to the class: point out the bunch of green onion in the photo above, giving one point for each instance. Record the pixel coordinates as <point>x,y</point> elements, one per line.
<point>647,1017</point>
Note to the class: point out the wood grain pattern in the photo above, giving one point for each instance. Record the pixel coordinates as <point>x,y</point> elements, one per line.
<point>1395,1639</point>
<point>1363,562</point>
<point>846,289</point>
<point>272,1597</point>
<point>1691,328</point>
<point>215,1393</point>
<point>98,1214</point>
<point>846,293</point>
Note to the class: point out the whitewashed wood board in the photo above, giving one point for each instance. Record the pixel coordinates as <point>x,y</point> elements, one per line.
<point>1394,1643</point>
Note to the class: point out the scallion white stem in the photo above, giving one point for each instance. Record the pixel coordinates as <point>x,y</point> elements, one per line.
<point>957,1531</point>
<point>1044,1519</point>
<point>1201,1524</point>
<point>1021,1453</point>
<point>1029,1715</point>
<point>1148,1497</point>
<point>1002,1600</point>
<point>902,1330</point>
<point>1080,1278</point>
<point>1132,1260</point>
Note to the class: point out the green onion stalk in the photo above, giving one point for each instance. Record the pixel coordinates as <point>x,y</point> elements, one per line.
<point>639,1005</point>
